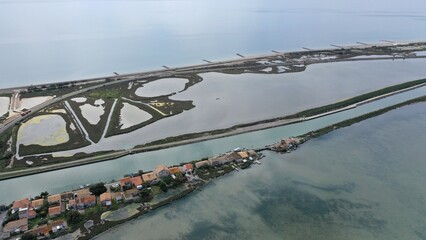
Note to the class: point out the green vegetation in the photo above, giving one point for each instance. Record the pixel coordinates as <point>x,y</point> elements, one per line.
<point>106,93</point>
<point>98,188</point>
<point>28,236</point>
<point>74,217</point>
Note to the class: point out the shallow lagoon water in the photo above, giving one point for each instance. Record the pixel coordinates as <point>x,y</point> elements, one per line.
<point>161,87</point>
<point>350,184</point>
<point>92,113</point>
<point>44,130</point>
<point>131,115</point>
<point>4,105</point>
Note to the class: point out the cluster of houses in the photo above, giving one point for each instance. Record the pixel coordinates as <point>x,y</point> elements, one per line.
<point>234,156</point>
<point>26,210</point>
<point>286,145</point>
<point>125,190</point>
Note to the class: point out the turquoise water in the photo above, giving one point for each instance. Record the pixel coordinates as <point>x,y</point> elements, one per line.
<point>361,182</point>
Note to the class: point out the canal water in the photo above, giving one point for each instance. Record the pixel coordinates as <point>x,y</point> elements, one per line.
<point>365,181</point>
<point>50,41</point>
<point>66,179</point>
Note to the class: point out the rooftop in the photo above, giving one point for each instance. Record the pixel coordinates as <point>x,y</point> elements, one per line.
<point>53,211</point>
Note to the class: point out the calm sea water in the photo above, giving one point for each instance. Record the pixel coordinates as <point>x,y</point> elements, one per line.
<point>361,182</point>
<point>47,41</point>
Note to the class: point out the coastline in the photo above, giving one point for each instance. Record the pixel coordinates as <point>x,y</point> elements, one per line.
<point>221,133</point>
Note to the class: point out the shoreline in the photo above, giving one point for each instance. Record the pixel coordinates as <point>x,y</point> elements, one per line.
<point>222,133</point>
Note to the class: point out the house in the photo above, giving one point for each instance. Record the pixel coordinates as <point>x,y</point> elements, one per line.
<point>72,204</point>
<point>174,170</point>
<point>82,192</point>
<point>202,163</point>
<point>252,153</point>
<point>243,154</point>
<point>23,203</point>
<point>16,226</point>
<point>118,196</point>
<point>130,182</point>
<point>218,160</point>
<point>106,199</point>
<point>54,211</point>
<point>31,214</point>
<point>234,156</point>
<point>187,167</point>
<point>37,204</point>
<point>54,199</point>
<point>131,195</point>
<point>66,196</point>
<point>149,177</point>
<point>23,212</point>
<point>161,171</point>
<point>89,201</point>
<point>41,231</point>
<point>58,225</point>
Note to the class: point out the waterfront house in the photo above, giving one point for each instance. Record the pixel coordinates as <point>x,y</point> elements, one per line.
<point>23,203</point>
<point>252,153</point>
<point>174,170</point>
<point>202,163</point>
<point>16,226</point>
<point>31,214</point>
<point>218,160</point>
<point>234,156</point>
<point>243,154</point>
<point>149,178</point>
<point>66,196</point>
<point>37,204</point>
<point>161,171</point>
<point>54,199</point>
<point>186,168</point>
<point>55,211</point>
<point>130,182</point>
<point>82,192</point>
<point>106,199</point>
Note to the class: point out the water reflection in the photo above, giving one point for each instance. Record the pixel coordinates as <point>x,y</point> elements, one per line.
<point>334,187</point>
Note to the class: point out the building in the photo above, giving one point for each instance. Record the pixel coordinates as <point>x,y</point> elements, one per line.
<point>106,199</point>
<point>174,170</point>
<point>89,201</point>
<point>186,168</point>
<point>54,199</point>
<point>131,195</point>
<point>42,231</point>
<point>37,204</point>
<point>16,226</point>
<point>252,153</point>
<point>54,211</point>
<point>131,182</point>
<point>149,178</point>
<point>243,154</point>
<point>32,214</point>
<point>118,196</point>
<point>23,203</point>
<point>202,163</point>
<point>218,160</point>
<point>161,171</point>
<point>67,196</point>
<point>82,192</point>
<point>58,225</point>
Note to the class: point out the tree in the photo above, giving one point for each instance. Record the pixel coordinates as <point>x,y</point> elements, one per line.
<point>98,188</point>
<point>163,186</point>
<point>74,217</point>
<point>44,194</point>
<point>28,236</point>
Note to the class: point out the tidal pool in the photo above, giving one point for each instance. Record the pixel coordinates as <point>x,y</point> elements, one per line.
<point>4,105</point>
<point>44,130</point>
<point>34,101</point>
<point>161,87</point>
<point>92,113</point>
<point>131,115</point>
